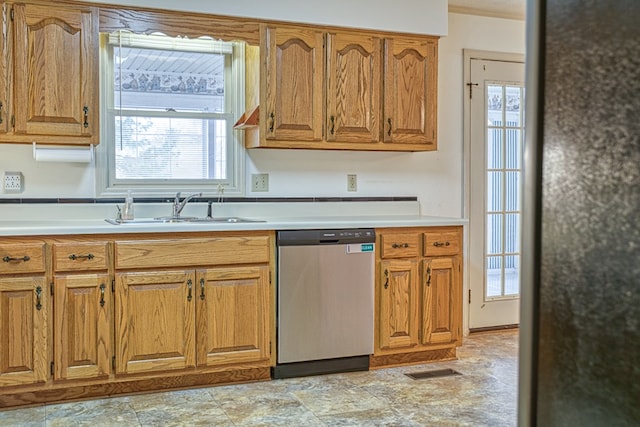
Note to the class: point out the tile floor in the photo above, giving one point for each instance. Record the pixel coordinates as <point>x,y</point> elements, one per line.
<point>484,395</point>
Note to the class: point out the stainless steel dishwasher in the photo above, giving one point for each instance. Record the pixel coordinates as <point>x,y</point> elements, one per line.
<point>325,301</point>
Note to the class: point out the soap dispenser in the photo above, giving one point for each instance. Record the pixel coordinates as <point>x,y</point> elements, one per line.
<point>127,212</point>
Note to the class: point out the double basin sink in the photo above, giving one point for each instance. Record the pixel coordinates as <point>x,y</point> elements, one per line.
<point>182,219</point>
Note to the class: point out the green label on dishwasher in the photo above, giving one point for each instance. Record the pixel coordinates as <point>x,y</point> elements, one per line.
<point>356,248</point>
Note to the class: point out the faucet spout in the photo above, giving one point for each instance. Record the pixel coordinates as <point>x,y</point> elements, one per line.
<point>178,205</point>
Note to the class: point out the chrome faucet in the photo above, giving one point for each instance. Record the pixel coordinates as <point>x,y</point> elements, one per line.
<point>178,206</point>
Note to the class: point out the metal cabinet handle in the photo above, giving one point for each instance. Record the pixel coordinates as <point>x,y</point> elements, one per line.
<point>1,105</point>
<point>202,289</point>
<point>438,244</point>
<point>85,109</point>
<point>38,298</point>
<point>189,286</point>
<point>386,282</point>
<point>332,129</point>
<point>10,259</point>
<point>272,122</point>
<point>429,275</point>
<point>102,288</point>
<point>400,245</point>
<point>389,121</point>
<point>74,257</point>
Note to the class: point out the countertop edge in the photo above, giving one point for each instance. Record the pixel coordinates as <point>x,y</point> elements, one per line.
<point>95,226</point>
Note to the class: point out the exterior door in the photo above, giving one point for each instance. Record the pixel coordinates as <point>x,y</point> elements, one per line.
<point>496,146</point>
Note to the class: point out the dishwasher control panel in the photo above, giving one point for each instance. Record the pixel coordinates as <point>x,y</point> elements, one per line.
<point>325,237</point>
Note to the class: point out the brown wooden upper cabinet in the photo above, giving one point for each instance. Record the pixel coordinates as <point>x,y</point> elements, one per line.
<point>49,74</point>
<point>347,90</point>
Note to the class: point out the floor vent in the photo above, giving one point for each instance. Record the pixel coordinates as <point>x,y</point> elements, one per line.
<point>433,374</point>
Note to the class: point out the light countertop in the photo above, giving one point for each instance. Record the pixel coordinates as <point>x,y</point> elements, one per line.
<point>35,220</point>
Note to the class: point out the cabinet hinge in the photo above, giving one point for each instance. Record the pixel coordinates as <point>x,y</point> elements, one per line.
<point>12,14</point>
<point>113,285</point>
<point>51,368</point>
<point>51,288</point>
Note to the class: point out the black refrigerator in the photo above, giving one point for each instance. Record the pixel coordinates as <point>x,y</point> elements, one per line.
<point>580,326</point>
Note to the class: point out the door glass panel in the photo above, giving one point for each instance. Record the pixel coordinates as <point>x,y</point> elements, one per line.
<point>504,131</point>
<point>494,234</point>
<point>494,276</point>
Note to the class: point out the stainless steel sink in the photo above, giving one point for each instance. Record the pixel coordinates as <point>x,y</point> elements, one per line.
<point>183,219</point>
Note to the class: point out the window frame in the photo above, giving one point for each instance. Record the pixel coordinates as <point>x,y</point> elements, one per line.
<point>106,185</point>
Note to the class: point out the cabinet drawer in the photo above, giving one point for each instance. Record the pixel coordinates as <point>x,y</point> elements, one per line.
<point>399,245</point>
<point>21,257</point>
<point>438,243</point>
<point>75,256</point>
<point>192,252</point>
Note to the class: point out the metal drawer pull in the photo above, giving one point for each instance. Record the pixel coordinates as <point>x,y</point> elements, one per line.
<point>438,244</point>
<point>202,289</point>
<point>333,124</point>
<point>429,275</point>
<point>0,112</point>
<point>38,298</point>
<point>189,286</point>
<point>389,121</point>
<point>9,259</point>
<point>386,282</point>
<point>75,257</point>
<point>85,109</point>
<point>102,288</point>
<point>400,245</point>
<point>272,122</point>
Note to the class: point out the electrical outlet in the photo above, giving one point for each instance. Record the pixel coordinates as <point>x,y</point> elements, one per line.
<point>13,182</point>
<point>352,182</point>
<point>259,182</point>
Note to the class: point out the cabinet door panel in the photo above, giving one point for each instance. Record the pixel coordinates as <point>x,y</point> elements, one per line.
<point>410,91</point>
<point>398,304</point>
<point>24,308</point>
<point>353,93</point>
<point>233,315</point>
<point>441,307</point>
<point>82,326</point>
<point>56,53</point>
<point>5,66</point>
<point>155,326</point>
<point>294,84</point>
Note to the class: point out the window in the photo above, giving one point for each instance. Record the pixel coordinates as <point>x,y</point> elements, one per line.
<point>169,105</point>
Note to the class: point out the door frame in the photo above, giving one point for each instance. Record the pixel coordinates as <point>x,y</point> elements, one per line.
<point>468,55</point>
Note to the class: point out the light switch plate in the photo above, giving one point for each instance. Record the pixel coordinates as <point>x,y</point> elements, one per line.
<point>13,182</point>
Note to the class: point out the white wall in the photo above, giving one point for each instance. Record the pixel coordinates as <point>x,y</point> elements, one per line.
<point>436,178</point>
<point>426,16</point>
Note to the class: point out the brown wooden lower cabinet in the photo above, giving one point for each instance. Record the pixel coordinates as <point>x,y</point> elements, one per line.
<point>418,295</point>
<point>133,313</point>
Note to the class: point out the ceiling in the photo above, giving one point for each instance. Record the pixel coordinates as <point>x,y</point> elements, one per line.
<point>511,9</point>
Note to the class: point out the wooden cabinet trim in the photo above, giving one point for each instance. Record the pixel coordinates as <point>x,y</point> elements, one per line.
<point>26,257</point>
<point>136,254</point>
<point>80,256</point>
